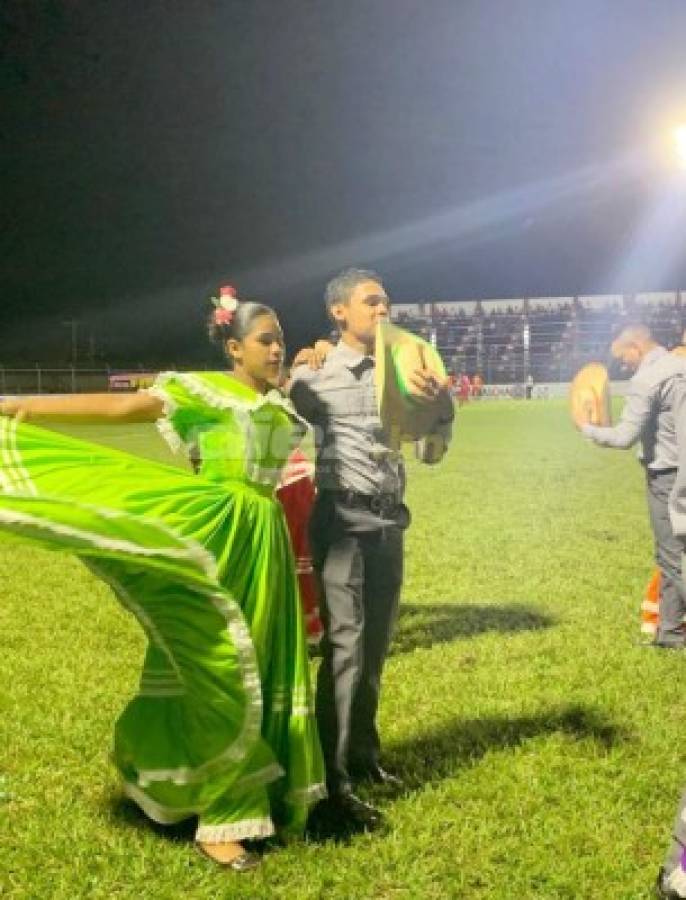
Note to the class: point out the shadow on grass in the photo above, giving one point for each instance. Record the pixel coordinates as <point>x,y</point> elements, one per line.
<point>428,758</point>
<point>126,813</point>
<point>443,751</point>
<point>422,625</point>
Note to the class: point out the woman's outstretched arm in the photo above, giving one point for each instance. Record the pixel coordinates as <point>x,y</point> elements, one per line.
<point>139,407</point>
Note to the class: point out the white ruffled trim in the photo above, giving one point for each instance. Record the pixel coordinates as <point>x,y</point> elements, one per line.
<point>224,400</point>
<point>171,437</point>
<point>269,773</point>
<point>16,481</point>
<point>231,611</point>
<point>164,815</point>
<point>236,831</point>
<point>219,399</point>
<point>14,477</point>
<point>194,553</point>
<point>190,552</point>
<point>167,431</point>
<point>252,721</point>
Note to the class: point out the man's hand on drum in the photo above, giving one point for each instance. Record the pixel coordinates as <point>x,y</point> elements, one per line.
<point>426,385</point>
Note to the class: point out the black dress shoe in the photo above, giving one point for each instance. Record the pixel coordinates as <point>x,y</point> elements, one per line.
<point>377,775</point>
<point>356,812</point>
<point>341,816</point>
<point>665,645</point>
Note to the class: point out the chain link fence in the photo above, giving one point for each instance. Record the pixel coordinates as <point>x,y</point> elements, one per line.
<point>39,380</point>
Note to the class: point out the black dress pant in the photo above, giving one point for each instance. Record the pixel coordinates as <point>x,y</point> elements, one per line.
<point>668,556</point>
<point>361,576</point>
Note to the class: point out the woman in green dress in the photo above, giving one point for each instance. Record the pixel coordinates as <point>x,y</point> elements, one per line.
<point>222,726</point>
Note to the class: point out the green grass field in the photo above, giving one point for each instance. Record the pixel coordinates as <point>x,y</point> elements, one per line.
<point>544,749</point>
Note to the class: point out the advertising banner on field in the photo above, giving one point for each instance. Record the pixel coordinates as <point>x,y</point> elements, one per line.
<point>131,381</point>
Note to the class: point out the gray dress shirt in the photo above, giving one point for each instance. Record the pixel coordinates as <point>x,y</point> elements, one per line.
<point>648,413</point>
<point>677,500</point>
<point>339,401</point>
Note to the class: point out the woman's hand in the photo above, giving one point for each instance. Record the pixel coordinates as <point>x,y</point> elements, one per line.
<point>138,407</point>
<point>313,356</point>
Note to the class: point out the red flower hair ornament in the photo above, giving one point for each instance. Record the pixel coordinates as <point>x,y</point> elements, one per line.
<point>225,305</point>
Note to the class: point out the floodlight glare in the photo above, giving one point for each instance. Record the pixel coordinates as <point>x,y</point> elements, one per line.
<point>680,144</point>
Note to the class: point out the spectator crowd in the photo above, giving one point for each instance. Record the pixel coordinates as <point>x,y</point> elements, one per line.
<point>548,341</point>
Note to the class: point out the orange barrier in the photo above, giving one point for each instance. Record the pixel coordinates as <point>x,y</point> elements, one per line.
<point>650,607</point>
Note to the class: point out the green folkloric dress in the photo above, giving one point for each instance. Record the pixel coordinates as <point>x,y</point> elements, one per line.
<point>222,726</point>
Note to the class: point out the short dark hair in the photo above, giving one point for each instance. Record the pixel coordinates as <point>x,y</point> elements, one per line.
<point>341,286</point>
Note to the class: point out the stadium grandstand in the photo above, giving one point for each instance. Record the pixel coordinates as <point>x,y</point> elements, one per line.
<point>547,338</point>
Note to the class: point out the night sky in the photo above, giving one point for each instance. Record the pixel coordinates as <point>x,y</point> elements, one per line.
<point>464,148</point>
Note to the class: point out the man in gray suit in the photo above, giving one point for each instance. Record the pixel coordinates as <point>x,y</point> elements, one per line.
<point>648,417</point>
<point>356,535</point>
<point>671,879</point>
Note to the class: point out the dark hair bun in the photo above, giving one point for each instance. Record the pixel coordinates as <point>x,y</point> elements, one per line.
<point>232,318</point>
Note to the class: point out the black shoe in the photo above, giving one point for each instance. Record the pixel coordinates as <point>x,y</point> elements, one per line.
<point>356,812</point>
<point>341,816</point>
<point>377,775</point>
